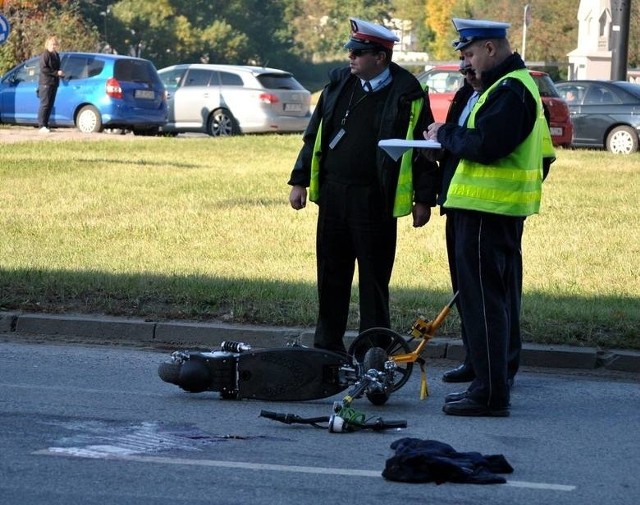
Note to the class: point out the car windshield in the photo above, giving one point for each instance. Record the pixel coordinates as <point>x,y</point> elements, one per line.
<point>546,86</point>
<point>278,81</point>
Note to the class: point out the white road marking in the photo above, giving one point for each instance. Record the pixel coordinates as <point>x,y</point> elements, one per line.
<point>346,472</point>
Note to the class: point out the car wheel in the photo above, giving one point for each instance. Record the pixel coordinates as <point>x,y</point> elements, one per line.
<point>622,140</point>
<point>88,120</point>
<point>221,123</point>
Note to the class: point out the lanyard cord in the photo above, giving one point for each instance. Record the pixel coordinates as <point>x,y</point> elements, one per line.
<point>349,108</point>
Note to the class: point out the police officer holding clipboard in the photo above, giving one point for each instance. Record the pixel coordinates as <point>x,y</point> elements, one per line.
<point>496,185</point>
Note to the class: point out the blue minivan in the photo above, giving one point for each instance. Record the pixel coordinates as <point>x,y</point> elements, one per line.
<point>98,91</point>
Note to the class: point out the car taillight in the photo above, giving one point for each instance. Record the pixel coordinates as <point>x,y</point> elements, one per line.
<point>113,88</point>
<point>268,98</point>
<point>558,109</point>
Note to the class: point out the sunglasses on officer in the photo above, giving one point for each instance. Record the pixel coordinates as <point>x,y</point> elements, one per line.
<point>360,52</point>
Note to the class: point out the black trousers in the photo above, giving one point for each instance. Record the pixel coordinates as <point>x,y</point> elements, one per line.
<point>47,95</point>
<point>515,342</point>
<point>486,260</point>
<point>352,227</point>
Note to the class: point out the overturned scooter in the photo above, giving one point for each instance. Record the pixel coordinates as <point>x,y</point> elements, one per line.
<point>378,362</point>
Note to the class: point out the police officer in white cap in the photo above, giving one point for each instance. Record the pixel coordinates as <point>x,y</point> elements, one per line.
<point>359,189</point>
<point>495,186</point>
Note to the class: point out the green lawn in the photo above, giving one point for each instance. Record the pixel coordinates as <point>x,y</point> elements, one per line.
<point>201,229</point>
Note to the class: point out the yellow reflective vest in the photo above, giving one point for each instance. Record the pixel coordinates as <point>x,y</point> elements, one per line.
<point>512,185</point>
<point>404,189</point>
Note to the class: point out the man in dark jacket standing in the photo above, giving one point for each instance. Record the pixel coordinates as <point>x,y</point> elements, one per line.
<point>496,185</point>
<point>359,189</point>
<point>48,82</point>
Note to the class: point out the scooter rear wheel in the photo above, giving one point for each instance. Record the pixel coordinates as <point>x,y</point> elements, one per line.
<point>169,372</point>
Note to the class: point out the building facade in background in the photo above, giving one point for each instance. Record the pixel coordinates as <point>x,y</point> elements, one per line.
<point>592,58</point>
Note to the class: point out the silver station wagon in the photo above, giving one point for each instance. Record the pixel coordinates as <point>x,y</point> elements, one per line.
<point>234,99</point>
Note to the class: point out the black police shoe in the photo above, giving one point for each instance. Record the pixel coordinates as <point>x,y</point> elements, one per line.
<point>463,373</point>
<point>456,397</point>
<point>469,407</point>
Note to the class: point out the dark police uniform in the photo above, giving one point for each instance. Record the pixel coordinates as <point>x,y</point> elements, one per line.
<point>487,246</point>
<point>357,190</point>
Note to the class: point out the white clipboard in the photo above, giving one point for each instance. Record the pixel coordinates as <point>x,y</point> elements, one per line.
<point>397,147</point>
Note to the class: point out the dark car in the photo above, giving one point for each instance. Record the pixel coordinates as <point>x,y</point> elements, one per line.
<point>98,91</point>
<point>445,80</point>
<point>604,113</point>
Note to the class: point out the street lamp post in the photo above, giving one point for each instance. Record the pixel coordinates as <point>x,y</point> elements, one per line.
<point>104,14</point>
<point>525,24</point>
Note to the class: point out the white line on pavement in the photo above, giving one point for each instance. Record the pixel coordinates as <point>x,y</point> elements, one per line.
<point>265,466</point>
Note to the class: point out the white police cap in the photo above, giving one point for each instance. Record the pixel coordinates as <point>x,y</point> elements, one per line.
<point>470,30</point>
<point>365,35</point>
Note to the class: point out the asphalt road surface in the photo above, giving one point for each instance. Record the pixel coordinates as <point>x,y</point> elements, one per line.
<point>95,425</point>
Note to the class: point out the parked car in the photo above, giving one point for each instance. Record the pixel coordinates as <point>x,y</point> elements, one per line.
<point>604,113</point>
<point>445,80</point>
<point>233,99</point>
<point>98,91</point>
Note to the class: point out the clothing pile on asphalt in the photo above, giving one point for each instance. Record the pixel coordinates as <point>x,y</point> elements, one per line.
<point>418,460</point>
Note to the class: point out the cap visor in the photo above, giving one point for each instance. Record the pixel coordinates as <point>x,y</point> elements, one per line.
<point>459,45</point>
<point>354,44</point>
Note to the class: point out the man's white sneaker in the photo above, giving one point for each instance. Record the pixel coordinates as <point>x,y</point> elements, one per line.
<point>44,129</point>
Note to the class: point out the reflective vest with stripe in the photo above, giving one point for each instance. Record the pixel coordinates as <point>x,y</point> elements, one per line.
<point>404,189</point>
<point>511,185</point>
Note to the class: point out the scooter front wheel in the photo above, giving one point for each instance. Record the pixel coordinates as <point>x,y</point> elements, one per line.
<point>375,358</point>
<point>391,342</point>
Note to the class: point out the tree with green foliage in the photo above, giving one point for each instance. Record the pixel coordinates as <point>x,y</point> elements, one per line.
<point>282,33</point>
<point>553,30</point>
<point>438,19</point>
<point>414,10</point>
<point>322,27</point>
<point>175,31</point>
<point>32,21</point>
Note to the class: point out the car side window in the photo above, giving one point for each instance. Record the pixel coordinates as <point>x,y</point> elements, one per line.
<point>599,95</point>
<point>228,79</point>
<point>444,82</point>
<point>74,67</point>
<point>172,79</point>
<point>454,82</point>
<point>29,72</point>
<point>94,67</point>
<point>573,95</point>
<point>197,77</point>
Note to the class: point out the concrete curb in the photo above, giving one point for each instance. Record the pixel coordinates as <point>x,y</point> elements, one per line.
<point>105,329</point>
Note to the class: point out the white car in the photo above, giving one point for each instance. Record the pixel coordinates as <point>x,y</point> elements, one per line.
<point>233,99</point>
